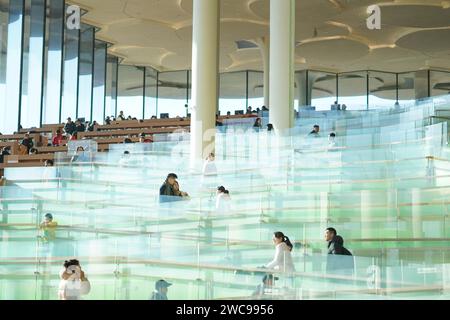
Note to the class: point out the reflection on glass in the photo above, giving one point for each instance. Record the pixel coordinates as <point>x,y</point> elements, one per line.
<point>173,93</point>
<point>111,86</point>
<point>85,72</point>
<point>52,80</point>
<point>440,83</point>
<point>13,67</point>
<point>151,76</point>
<point>353,90</point>
<point>32,69</point>
<point>322,89</point>
<point>406,87</point>
<point>98,100</point>
<point>255,89</point>
<point>3,40</point>
<point>233,92</point>
<point>383,90</point>
<point>70,84</point>
<point>130,99</point>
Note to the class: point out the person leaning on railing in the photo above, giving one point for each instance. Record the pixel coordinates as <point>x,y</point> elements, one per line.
<point>170,190</point>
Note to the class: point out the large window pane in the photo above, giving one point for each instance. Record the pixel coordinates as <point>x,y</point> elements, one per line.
<point>53,72</point>
<point>98,100</point>
<point>32,69</point>
<point>86,67</point>
<point>322,89</point>
<point>407,87</point>
<point>130,99</point>
<point>173,93</point>
<point>13,66</point>
<point>255,89</point>
<point>440,83</point>
<point>233,95</point>
<point>353,90</point>
<point>151,78</point>
<point>383,90</point>
<point>70,84</point>
<point>4,8</point>
<point>111,86</point>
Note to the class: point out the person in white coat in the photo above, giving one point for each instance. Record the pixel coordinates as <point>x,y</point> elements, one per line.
<point>210,168</point>
<point>283,258</point>
<point>223,200</point>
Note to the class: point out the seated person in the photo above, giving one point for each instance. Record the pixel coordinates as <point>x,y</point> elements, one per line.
<point>34,151</point>
<point>144,139</point>
<point>108,120</point>
<point>6,151</point>
<point>315,132</point>
<point>58,139</point>
<point>70,127</point>
<point>28,142</point>
<point>80,127</point>
<point>127,140</point>
<point>218,122</point>
<point>170,190</point>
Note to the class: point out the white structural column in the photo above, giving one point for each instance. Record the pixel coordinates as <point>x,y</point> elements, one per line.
<point>264,47</point>
<point>282,50</point>
<point>205,77</point>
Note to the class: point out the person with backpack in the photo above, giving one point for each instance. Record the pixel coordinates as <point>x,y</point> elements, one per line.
<point>339,259</point>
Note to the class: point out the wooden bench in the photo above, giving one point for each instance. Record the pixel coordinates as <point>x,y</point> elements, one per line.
<point>46,128</point>
<point>16,161</point>
<point>126,133</point>
<point>124,125</point>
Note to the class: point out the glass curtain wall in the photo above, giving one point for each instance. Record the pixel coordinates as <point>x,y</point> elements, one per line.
<point>11,111</point>
<point>353,90</point>
<point>86,63</point>
<point>53,61</point>
<point>233,92</point>
<point>112,64</point>
<point>4,14</point>
<point>130,98</point>
<point>255,89</point>
<point>151,92</point>
<point>439,82</point>
<point>382,89</point>
<point>173,94</point>
<point>33,63</point>
<point>99,89</point>
<point>70,70</point>
<point>322,89</point>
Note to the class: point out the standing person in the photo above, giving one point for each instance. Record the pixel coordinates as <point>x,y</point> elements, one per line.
<point>108,120</point>
<point>282,260</point>
<point>223,200</point>
<point>249,110</point>
<point>58,138</point>
<point>48,227</point>
<point>210,168</point>
<point>27,142</point>
<point>339,259</point>
<point>74,282</point>
<point>161,290</point>
<point>70,126</point>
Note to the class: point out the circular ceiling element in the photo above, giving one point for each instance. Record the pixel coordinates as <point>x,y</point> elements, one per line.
<point>415,16</point>
<point>428,41</point>
<point>339,49</point>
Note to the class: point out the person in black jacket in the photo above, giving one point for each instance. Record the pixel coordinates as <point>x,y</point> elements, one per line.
<point>170,190</point>
<point>28,142</point>
<point>70,127</point>
<point>339,259</point>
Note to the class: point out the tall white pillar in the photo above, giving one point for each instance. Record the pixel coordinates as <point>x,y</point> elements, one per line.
<point>205,77</point>
<point>282,51</point>
<point>264,47</point>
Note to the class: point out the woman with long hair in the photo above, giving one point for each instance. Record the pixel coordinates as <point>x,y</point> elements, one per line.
<point>283,258</point>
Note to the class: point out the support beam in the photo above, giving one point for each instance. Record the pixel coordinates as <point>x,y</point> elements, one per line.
<point>205,78</point>
<point>282,51</point>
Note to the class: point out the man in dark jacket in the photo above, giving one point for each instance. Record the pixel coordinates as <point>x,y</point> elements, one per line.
<point>170,190</point>
<point>339,259</point>
<point>28,142</point>
<point>70,127</point>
